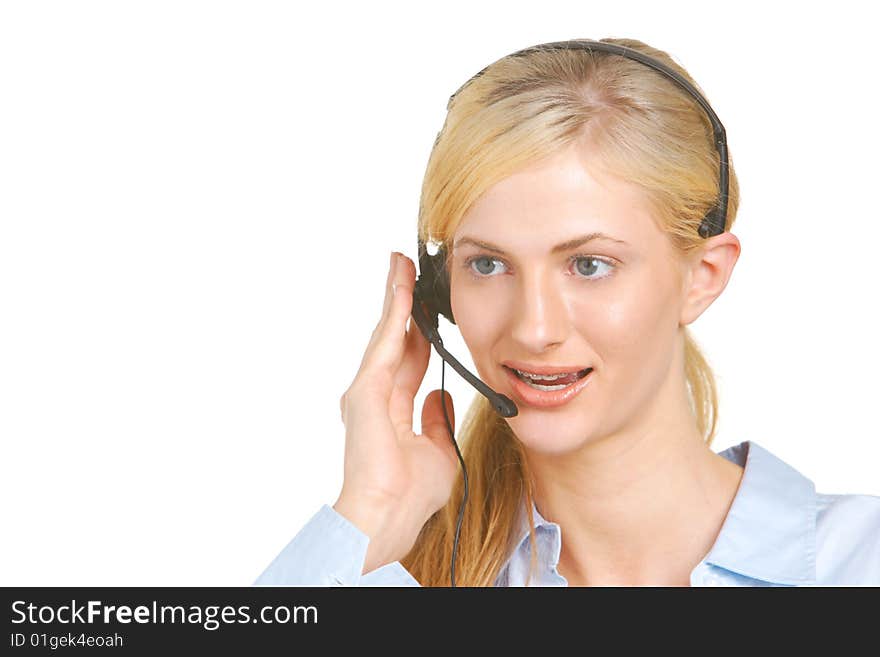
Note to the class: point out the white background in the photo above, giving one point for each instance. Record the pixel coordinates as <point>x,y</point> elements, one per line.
<point>198,201</point>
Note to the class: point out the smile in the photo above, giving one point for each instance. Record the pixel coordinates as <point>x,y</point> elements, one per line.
<point>546,391</point>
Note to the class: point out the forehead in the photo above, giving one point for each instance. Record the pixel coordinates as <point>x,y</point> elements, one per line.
<point>556,199</point>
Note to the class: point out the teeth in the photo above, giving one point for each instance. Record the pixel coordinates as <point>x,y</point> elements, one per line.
<point>545,388</point>
<point>542,377</point>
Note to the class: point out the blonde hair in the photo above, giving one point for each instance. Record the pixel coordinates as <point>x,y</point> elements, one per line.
<point>646,130</point>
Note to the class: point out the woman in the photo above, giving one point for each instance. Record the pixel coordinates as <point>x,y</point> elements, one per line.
<point>568,187</point>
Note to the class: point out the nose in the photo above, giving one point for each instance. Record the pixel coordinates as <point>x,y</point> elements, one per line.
<point>541,317</point>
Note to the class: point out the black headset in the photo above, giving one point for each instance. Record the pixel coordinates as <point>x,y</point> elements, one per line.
<point>431,295</point>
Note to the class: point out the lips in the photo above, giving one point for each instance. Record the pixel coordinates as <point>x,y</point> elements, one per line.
<point>527,395</point>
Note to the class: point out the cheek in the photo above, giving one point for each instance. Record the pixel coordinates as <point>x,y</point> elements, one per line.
<point>477,318</point>
<point>629,328</point>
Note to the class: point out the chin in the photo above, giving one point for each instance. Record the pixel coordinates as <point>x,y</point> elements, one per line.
<point>543,435</point>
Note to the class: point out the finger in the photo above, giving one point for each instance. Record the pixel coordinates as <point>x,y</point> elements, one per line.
<point>410,374</point>
<point>388,284</point>
<point>433,420</point>
<point>386,349</point>
<point>389,293</point>
<point>416,356</point>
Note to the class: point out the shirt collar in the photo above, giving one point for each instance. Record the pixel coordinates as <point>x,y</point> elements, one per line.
<point>522,525</point>
<point>770,529</point>
<point>769,532</point>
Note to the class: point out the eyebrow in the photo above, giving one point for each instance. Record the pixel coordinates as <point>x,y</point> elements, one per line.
<point>559,248</point>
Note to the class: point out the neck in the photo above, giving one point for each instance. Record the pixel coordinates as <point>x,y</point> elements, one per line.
<point>640,507</point>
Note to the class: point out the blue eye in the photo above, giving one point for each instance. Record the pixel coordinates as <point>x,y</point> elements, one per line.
<point>592,263</point>
<point>484,265</point>
<point>586,267</point>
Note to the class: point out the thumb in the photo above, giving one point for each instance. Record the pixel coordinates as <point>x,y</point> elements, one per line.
<point>433,420</point>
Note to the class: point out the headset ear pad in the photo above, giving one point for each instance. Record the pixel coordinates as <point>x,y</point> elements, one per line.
<point>432,286</point>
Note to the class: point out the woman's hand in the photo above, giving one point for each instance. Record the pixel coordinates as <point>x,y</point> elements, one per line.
<point>394,479</point>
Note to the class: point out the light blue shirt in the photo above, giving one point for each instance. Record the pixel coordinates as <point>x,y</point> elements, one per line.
<point>778,532</point>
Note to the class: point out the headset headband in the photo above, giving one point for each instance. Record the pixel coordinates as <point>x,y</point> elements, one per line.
<point>713,223</point>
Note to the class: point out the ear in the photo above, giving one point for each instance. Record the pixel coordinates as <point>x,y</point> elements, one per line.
<point>707,273</point>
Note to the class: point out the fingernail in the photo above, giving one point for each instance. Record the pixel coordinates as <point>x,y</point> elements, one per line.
<point>394,260</point>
